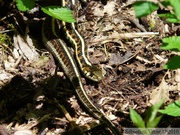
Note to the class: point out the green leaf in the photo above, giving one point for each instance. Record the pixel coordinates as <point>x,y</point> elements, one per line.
<point>145,131</point>
<point>143,8</point>
<point>171,43</point>
<point>176,4</point>
<point>136,118</point>
<point>165,3</point>
<point>59,13</point>
<point>172,109</point>
<point>154,123</point>
<point>172,17</point>
<point>25,5</point>
<point>169,17</point>
<point>152,114</point>
<point>172,20</point>
<point>173,63</point>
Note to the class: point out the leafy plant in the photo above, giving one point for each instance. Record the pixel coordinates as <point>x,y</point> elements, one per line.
<point>169,43</point>
<point>151,120</point>
<point>53,11</point>
<point>59,13</point>
<point>25,5</point>
<point>172,109</point>
<point>143,8</point>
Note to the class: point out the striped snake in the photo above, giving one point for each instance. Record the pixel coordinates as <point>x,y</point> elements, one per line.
<point>88,69</point>
<point>56,45</point>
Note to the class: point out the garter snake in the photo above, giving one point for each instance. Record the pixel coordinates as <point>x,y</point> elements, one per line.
<point>56,45</point>
<point>88,69</point>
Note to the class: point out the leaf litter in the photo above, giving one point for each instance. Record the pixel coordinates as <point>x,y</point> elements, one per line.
<point>126,49</point>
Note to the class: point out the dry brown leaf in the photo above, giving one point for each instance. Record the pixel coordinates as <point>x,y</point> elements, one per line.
<point>25,47</point>
<point>109,8</point>
<point>23,132</point>
<point>161,92</point>
<point>98,11</point>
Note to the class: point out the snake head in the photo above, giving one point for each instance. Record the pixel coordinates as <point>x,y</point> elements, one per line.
<point>97,73</point>
<point>93,73</point>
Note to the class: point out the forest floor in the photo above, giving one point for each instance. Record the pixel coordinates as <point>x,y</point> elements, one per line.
<point>37,98</point>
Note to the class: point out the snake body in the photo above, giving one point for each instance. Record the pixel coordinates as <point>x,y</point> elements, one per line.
<point>88,69</point>
<point>60,51</point>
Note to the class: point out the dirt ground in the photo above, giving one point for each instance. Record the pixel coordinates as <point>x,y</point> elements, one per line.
<point>36,96</point>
